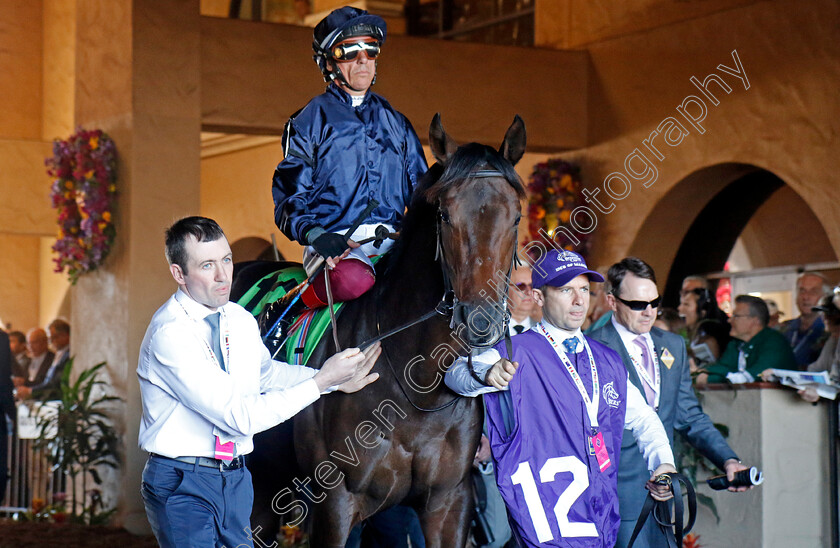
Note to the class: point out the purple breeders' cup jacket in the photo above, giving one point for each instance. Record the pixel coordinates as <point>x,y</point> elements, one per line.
<point>554,489</point>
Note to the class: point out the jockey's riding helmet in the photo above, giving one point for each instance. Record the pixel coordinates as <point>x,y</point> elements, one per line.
<point>339,25</point>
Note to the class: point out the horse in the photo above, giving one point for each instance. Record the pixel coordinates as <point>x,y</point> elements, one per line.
<point>406,439</point>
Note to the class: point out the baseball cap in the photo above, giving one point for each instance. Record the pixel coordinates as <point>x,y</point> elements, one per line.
<point>557,268</point>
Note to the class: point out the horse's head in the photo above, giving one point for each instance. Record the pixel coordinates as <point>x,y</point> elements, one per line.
<point>478,200</point>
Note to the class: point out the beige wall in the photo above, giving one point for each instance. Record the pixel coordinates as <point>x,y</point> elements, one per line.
<point>20,57</point>
<point>781,123</point>
<point>254,76</point>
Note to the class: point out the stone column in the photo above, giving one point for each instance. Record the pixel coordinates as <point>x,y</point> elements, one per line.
<point>137,78</point>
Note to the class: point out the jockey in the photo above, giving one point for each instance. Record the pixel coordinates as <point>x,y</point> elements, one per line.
<point>346,147</point>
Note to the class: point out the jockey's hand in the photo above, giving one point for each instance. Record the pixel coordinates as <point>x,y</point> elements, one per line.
<point>333,261</point>
<point>363,376</point>
<point>500,374</point>
<point>330,245</point>
<point>659,491</point>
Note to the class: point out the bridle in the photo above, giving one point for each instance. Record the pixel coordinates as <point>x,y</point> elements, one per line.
<point>448,301</point>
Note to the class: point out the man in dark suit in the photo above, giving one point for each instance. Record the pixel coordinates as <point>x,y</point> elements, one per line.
<point>41,359</point>
<point>658,365</point>
<point>7,406</point>
<point>47,382</point>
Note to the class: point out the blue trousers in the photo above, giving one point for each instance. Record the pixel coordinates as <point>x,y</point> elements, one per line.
<point>195,506</point>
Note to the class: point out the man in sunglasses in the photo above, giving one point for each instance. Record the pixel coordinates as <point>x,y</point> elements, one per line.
<point>657,363</point>
<point>556,413</point>
<point>345,148</point>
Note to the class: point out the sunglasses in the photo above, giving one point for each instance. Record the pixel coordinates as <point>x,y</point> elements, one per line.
<point>346,52</point>
<point>638,306</point>
<point>523,287</point>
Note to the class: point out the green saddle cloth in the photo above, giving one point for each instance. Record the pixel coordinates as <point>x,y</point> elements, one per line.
<point>307,328</point>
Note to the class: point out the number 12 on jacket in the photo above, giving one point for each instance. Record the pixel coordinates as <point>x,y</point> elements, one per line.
<point>524,477</point>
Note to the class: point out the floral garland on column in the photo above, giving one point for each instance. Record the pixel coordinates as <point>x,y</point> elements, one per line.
<point>84,193</point>
<point>554,191</point>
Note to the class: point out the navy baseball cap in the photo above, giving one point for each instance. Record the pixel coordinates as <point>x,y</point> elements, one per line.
<point>347,22</point>
<point>557,268</point>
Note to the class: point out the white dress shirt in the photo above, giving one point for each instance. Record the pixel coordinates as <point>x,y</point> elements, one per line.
<point>628,339</point>
<point>188,399</point>
<point>35,366</point>
<point>526,325</point>
<point>639,418</point>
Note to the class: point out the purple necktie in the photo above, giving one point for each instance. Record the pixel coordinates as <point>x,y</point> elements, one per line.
<point>647,363</point>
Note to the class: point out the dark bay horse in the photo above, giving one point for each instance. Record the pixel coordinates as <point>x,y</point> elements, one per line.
<point>406,439</point>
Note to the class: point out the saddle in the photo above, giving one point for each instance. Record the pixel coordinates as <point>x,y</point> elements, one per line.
<point>306,329</point>
<point>271,282</point>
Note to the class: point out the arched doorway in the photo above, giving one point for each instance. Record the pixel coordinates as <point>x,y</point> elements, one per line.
<point>695,227</point>
<point>253,248</point>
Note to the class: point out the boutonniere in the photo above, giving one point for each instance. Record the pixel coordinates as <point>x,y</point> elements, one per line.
<point>667,358</point>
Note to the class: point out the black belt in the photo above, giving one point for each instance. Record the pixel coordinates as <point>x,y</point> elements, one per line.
<point>207,462</point>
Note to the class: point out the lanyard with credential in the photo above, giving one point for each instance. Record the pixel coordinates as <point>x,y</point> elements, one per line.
<point>593,403</point>
<point>654,383</point>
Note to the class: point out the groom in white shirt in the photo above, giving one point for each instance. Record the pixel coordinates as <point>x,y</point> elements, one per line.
<point>208,385</point>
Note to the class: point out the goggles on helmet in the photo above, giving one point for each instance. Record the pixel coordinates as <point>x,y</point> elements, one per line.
<point>348,51</point>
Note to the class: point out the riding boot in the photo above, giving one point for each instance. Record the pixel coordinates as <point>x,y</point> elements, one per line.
<point>272,312</point>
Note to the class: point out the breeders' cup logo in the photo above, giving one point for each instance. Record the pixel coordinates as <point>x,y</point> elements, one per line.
<point>611,396</point>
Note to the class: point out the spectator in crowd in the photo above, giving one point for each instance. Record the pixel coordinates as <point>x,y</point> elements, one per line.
<point>20,361</point>
<point>50,383</point>
<point>520,300</point>
<point>829,359</point>
<point>40,359</point>
<point>561,406</point>
<point>207,385</point>
<point>705,323</point>
<point>754,348</point>
<point>7,407</point>
<point>599,309</point>
<point>805,333</point>
<point>668,319</point>
<point>693,282</point>
<point>775,314</point>
<point>657,364</point>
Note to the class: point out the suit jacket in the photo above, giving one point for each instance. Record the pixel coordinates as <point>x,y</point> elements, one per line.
<point>51,383</point>
<point>42,371</point>
<point>678,410</point>
<point>7,402</point>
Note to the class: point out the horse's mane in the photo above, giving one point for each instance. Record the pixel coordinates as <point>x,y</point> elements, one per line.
<point>465,160</point>
<point>437,180</point>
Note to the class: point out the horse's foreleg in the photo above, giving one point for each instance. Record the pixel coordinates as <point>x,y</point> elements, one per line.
<point>446,520</point>
<point>332,519</point>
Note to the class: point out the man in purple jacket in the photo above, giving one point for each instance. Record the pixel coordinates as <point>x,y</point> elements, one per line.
<point>556,414</point>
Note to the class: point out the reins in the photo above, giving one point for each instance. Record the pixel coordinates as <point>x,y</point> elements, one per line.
<point>445,306</point>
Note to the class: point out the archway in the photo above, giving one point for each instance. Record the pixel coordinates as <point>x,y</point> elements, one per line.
<point>694,228</point>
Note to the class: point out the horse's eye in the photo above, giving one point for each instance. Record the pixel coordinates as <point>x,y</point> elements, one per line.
<point>444,216</point>
<point>516,221</point>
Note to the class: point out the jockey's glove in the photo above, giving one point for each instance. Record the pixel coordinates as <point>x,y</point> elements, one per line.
<point>330,244</point>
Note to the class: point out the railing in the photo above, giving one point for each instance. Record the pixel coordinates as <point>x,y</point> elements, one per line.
<point>30,474</point>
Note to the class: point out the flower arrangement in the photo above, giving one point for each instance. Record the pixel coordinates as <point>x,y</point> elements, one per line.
<point>554,190</point>
<point>84,192</point>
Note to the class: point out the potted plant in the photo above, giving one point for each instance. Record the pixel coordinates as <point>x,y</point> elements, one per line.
<point>79,438</point>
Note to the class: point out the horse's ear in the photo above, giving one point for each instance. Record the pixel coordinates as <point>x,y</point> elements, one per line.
<point>443,146</point>
<point>513,147</point>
